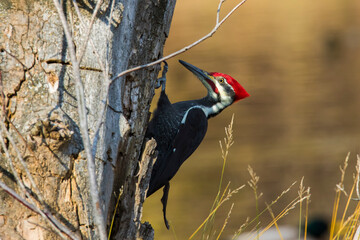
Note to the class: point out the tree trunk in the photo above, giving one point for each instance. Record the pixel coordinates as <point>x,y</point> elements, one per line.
<point>40,105</point>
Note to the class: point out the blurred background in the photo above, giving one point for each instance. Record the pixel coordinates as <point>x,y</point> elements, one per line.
<point>300,61</point>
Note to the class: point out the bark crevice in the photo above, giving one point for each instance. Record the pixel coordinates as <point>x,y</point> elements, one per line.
<point>39,99</point>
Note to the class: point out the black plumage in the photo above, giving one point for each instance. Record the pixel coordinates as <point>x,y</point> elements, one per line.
<point>176,141</point>
<point>179,128</point>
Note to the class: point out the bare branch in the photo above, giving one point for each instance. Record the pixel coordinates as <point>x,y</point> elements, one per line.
<point>105,70</point>
<point>21,160</point>
<point>107,81</point>
<point>77,10</point>
<point>97,7</point>
<point>57,226</point>
<point>217,25</point>
<point>97,208</point>
<point>12,193</point>
<point>46,214</point>
<point>91,149</point>
<point>7,154</point>
<point>218,11</point>
<point>231,12</point>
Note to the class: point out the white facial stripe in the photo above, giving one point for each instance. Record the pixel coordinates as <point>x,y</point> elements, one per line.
<point>218,85</point>
<point>225,101</point>
<point>213,95</point>
<point>224,98</point>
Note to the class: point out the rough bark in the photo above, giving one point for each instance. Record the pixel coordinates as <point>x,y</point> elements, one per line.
<point>40,104</point>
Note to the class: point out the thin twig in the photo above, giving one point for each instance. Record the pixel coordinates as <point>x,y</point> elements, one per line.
<point>20,158</point>
<point>105,70</point>
<point>218,11</point>
<point>97,208</point>
<point>19,180</point>
<point>82,22</point>
<point>97,7</point>
<point>99,218</point>
<point>46,214</point>
<point>57,226</point>
<point>22,138</point>
<point>7,154</point>
<point>217,25</point>
<point>107,83</point>
<point>108,40</point>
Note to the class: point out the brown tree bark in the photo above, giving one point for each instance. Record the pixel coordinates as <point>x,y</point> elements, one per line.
<point>40,115</point>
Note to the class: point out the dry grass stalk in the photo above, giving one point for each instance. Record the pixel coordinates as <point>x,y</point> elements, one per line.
<point>306,213</point>
<point>284,212</point>
<point>254,178</point>
<point>228,142</point>
<point>248,223</point>
<point>357,168</point>
<point>225,197</point>
<point>241,228</point>
<point>116,208</point>
<point>339,189</point>
<point>347,228</point>
<point>301,193</point>
<point>275,223</point>
<point>253,184</point>
<point>225,222</point>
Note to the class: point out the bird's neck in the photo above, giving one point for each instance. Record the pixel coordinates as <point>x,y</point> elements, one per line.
<point>212,107</point>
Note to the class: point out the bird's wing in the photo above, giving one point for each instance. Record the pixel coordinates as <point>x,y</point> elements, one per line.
<point>191,132</point>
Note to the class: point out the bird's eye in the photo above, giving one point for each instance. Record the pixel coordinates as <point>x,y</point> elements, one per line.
<point>221,80</point>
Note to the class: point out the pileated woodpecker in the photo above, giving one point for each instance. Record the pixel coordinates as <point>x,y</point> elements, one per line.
<point>179,128</point>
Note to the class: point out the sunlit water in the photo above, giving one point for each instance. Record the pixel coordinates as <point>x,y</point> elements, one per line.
<point>300,61</point>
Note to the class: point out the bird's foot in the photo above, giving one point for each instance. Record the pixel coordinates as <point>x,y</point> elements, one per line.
<point>162,81</point>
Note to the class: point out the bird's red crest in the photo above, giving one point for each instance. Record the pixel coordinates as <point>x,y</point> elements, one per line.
<point>240,92</point>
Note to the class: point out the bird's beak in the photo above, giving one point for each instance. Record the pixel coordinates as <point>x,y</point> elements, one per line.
<point>206,79</point>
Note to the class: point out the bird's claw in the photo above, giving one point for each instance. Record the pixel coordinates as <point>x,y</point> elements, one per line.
<point>162,81</point>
